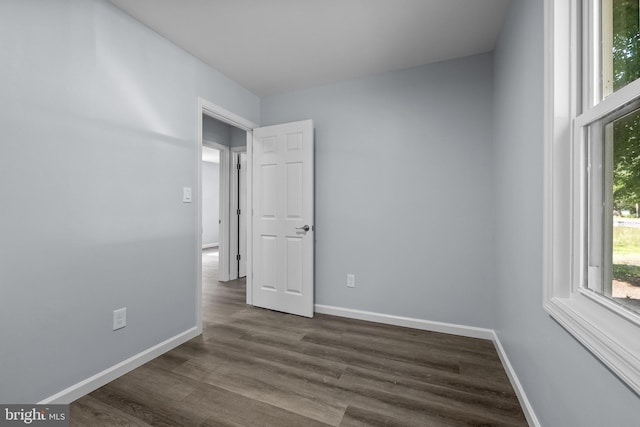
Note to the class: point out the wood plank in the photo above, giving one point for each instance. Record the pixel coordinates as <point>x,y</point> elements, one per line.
<point>148,408</point>
<point>287,362</point>
<point>270,387</point>
<point>88,411</point>
<point>419,356</point>
<point>162,382</point>
<point>356,416</point>
<point>450,404</point>
<point>471,384</point>
<point>232,409</point>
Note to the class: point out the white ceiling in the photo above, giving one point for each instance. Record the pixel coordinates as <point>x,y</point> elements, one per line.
<point>275,46</point>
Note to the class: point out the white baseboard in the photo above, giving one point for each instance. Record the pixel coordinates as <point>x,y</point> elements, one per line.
<point>515,383</point>
<point>407,322</point>
<point>447,328</point>
<point>209,245</point>
<point>90,384</point>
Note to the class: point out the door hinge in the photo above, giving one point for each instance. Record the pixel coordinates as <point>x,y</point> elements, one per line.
<point>238,166</point>
<point>238,212</point>
<point>238,257</point>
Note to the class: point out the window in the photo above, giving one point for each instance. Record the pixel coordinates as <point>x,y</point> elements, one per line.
<point>619,39</point>
<point>614,152</point>
<point>592,177</point>
<point>613,230</point>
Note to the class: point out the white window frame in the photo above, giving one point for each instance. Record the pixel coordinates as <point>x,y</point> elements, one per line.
<point>609,331</point>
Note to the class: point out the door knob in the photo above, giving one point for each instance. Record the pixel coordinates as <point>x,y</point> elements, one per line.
<point>304,228</point>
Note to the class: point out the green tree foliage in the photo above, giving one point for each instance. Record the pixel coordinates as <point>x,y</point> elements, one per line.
<point>626,41</point>
<point>626,130</point>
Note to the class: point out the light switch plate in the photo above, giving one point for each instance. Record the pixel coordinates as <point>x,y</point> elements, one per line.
<point>186,194</point>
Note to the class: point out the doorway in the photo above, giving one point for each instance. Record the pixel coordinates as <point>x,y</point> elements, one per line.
<point>223,185</point>
<point>214,202</point>
<point>285,160</point>
<point>229,134</point>
<point>211,207</point>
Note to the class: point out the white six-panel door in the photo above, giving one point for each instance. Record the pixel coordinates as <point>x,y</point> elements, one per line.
<point>283,207</point>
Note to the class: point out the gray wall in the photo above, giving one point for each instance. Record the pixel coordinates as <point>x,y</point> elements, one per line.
<point>214,130</point>
<point>565,383</point>
<point>98,138</point>
<point>210,203</point>
<point>238,137</point>
<point>403,190</point>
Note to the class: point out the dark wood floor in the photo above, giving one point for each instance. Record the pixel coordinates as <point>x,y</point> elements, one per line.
<point>254,367</point>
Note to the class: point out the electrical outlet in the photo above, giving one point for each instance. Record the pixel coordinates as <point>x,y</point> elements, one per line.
<point>119,318</point>
<point>351,280</point>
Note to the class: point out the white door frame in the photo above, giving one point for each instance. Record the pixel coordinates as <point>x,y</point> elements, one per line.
<point>235,205</point>
<point>215,111</point>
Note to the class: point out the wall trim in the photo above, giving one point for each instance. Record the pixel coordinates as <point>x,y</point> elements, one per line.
<point>515,383</point>
<point>447,328</point>
<point>96,381</point>
<point>407,322</point>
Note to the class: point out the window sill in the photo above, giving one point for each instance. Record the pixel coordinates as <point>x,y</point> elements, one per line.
<point>612,339</point>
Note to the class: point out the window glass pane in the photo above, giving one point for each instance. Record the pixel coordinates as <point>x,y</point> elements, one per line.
<point>620,43</point>
<point>626,216</point>
<point>614,214</point>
